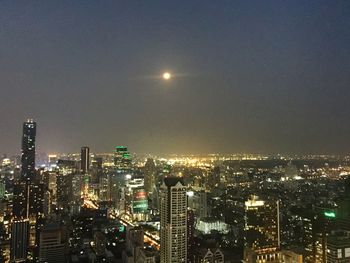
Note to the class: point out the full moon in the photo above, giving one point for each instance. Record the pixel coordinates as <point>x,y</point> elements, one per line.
<point>166,75</point>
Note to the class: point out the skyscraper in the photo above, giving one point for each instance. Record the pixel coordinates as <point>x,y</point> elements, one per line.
<point>20,200</point>
<point>19,240</point>
<point>85,159</point>
<point>28,150</point>
<point>262,238</point>
<point>122,158</point>
<point>173,221</point>
<point>262,223</point>
<point>150,175</point>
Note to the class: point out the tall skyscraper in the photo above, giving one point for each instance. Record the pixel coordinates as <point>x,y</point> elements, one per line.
<point>19,240</point>
<point>150,175</point>
<point>20,200</point>
<point>262,238</point>
<point>262,223</point>
<point>28,150</point>
<point>85,159</point>
<point>28,199</point>
<point>173,221</point>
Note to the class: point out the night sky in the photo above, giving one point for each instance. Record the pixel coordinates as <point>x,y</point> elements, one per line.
<point>250,76</point>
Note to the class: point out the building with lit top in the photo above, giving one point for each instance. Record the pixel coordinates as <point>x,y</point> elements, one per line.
<point>262,236</point>
<point>173,221</point>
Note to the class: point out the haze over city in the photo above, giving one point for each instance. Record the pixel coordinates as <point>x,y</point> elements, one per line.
<point>257,76</point>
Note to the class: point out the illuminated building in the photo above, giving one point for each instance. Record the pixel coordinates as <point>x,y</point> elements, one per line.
<point>28,199</point>
<point>52,160</point>
<point>139,204</point>
<point>122,158</point>
<point>190,236</point>
<point>20,197</point>
<point>76,184</point>
<point>28,151</point>
<point>207,225</point>
<point>173,221</point>
<point>150,176</point>
<point>19,240</point>
<point>36,199</point>
<point>214,177</point>
<point>262,238</point>
<point>197,200</point>
<point>338,247</point>
<point>85,160</point>
<point>104,188</point>
<point>52,247</point>
<point>63,185</point>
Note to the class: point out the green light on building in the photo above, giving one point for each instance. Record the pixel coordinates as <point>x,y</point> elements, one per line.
<point>329,214</point>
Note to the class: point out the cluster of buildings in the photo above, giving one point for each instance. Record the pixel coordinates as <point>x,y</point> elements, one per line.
<point>116,207</point>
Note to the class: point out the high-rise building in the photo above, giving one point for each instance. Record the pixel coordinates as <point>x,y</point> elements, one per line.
<point>338,247</point>
<point>36,199</point>
<point>19,240</point>
<point>122,158</point>
<point>261,223</point>
<point>96,169</point>
<point>85,159</point>
<point>28,150</point>
<point>262,237</point>
<point>190,236</point>
<point>173,221</point>
<point>20,200</point>
<point>150,176</point>
<point>52,247</point>
<point>28,199</point>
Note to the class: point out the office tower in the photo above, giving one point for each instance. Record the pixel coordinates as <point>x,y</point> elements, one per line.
<point>28,150</point>
<point>19,240</point>
<point>262,238</point>
<point>122,158</point>
<point>96,169</point>
<point>190,236</point>
<point>173,221</point>
<point>139,204</point>
<point>261,223</point>
<point>150,176</point>
<point>85,160</point>
<point>63,188</point>
<point>338,247</point>
<point>52,247</point>
<point>104,192</point>
<point>75,193</point>
<point>198,201</point>
<point>20,200</point>
<point>36,199</point>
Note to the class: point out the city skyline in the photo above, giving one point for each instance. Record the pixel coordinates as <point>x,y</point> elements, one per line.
<point>257,77</point>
